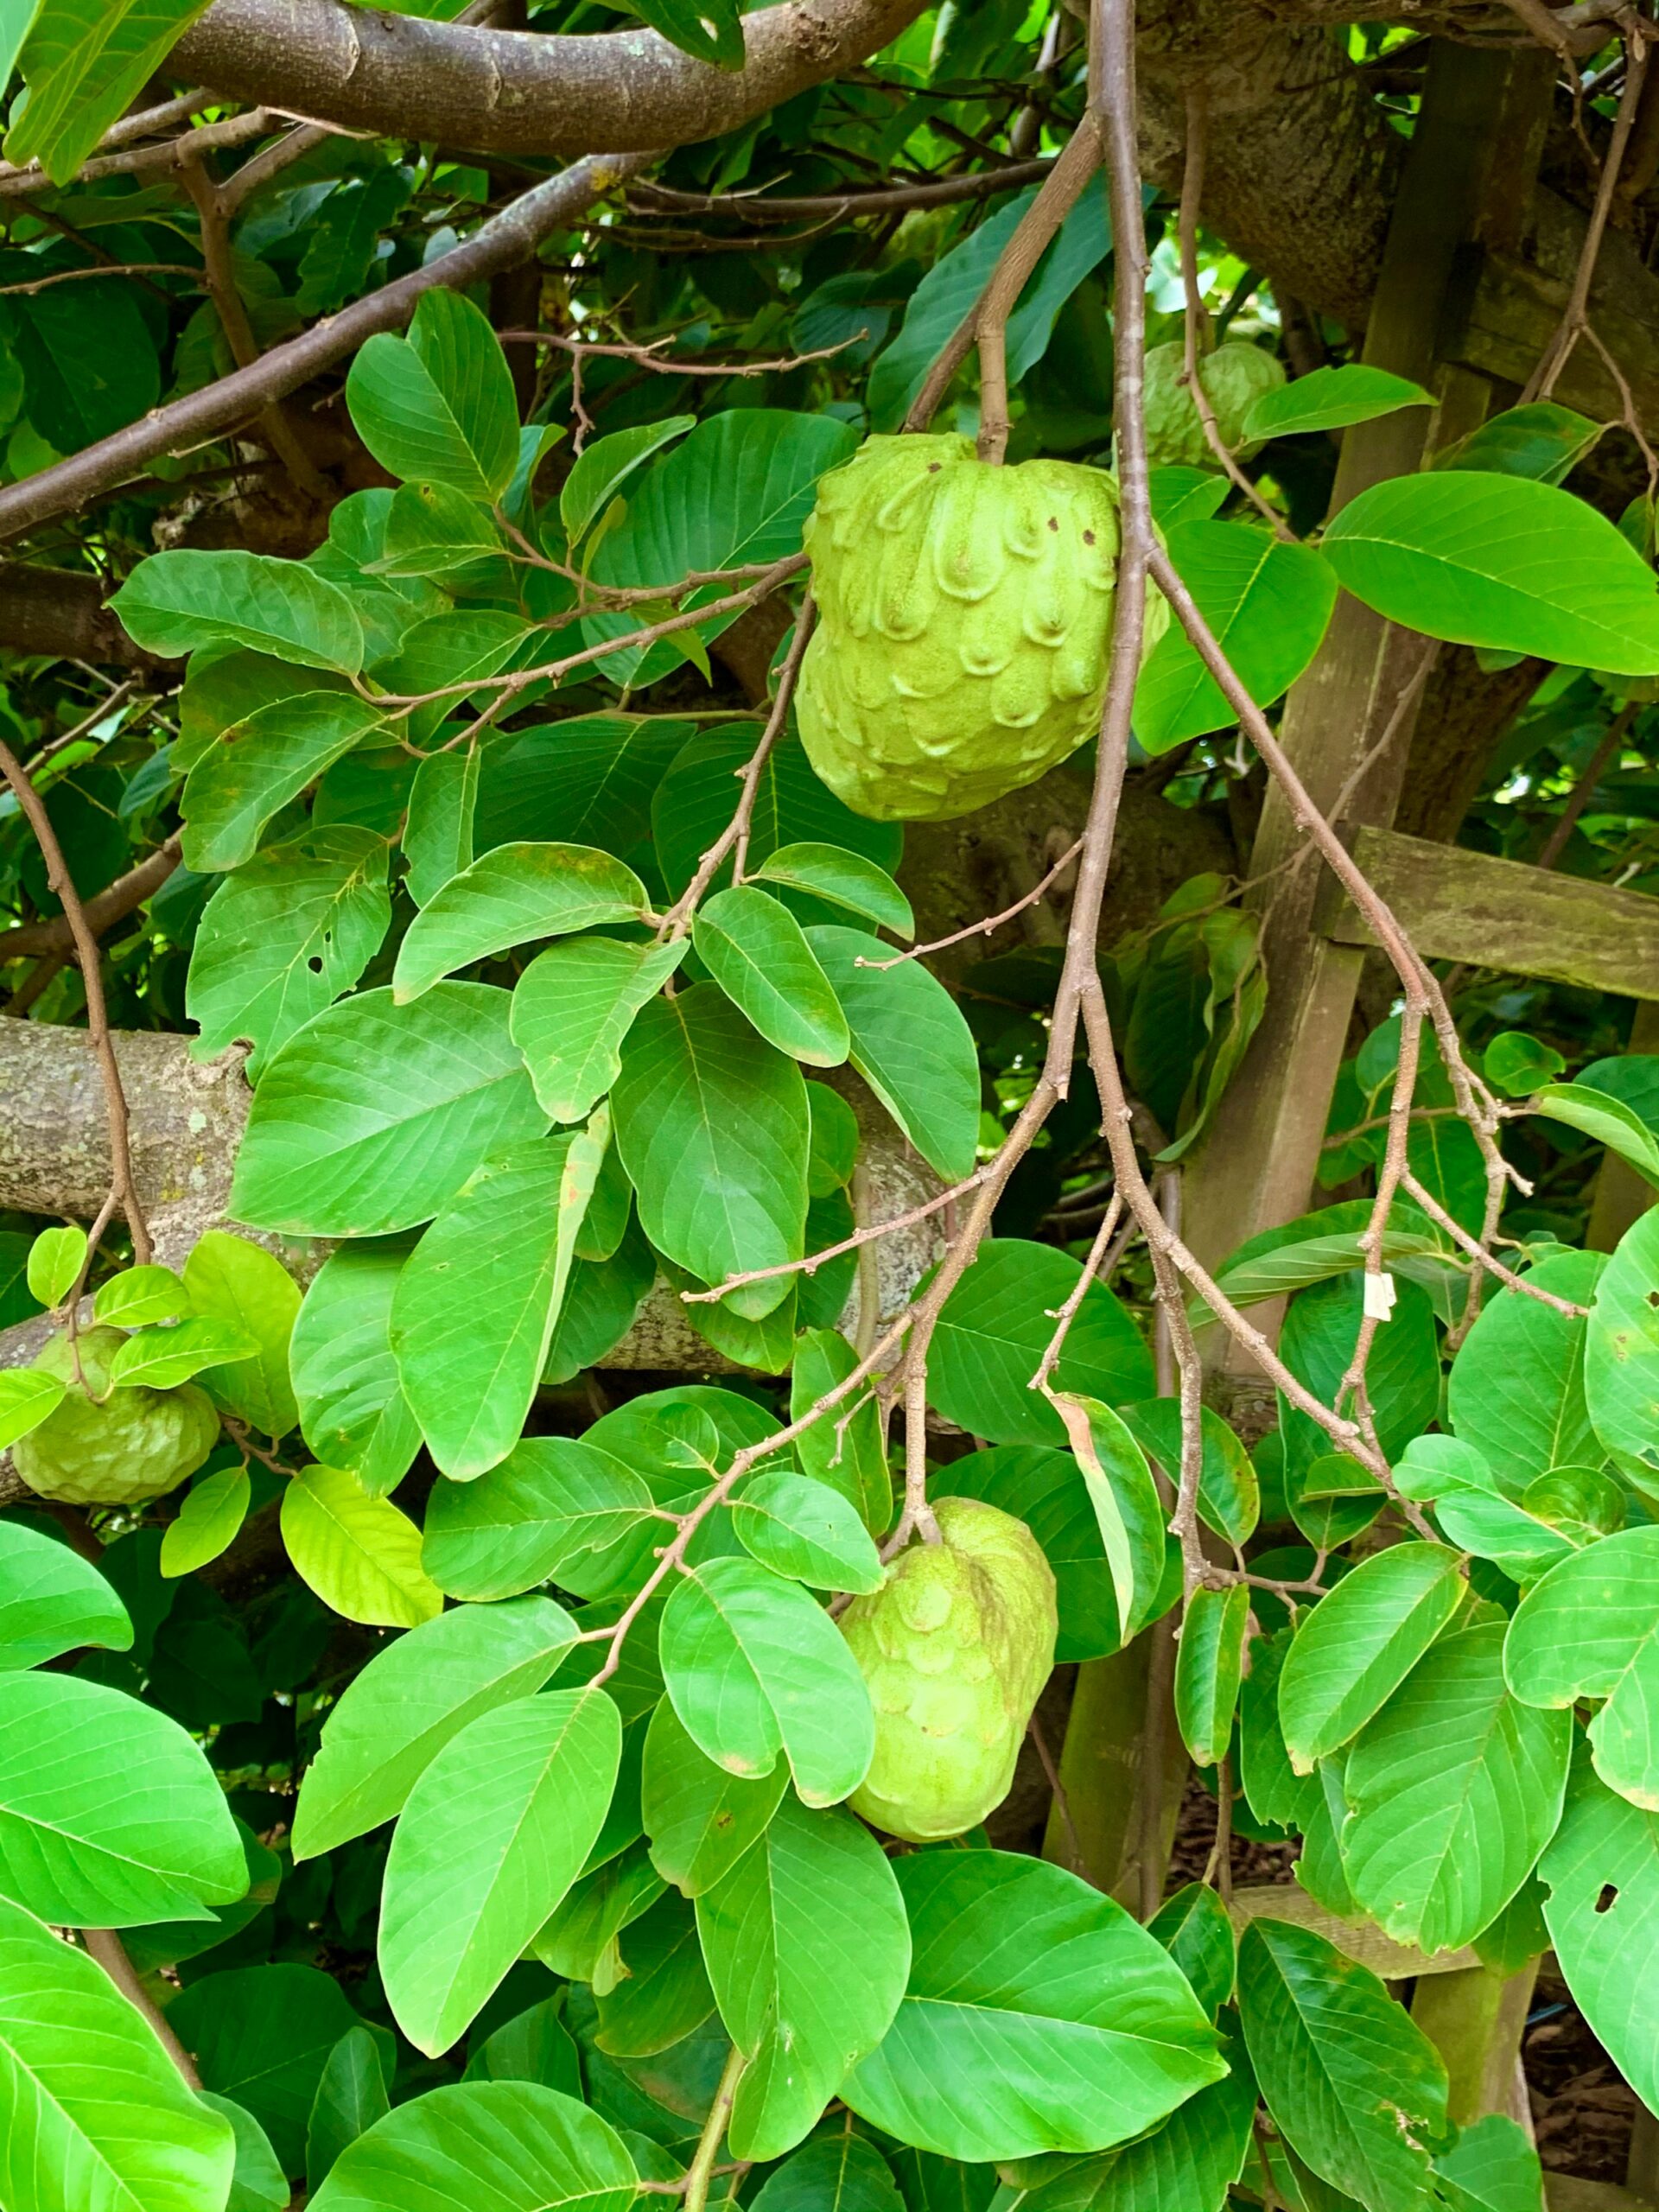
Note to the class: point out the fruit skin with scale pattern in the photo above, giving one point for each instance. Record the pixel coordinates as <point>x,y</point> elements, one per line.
<point>955,1648</point>
<point>965,624</point>
<point>136,1444</point>
<point>1233,378</point>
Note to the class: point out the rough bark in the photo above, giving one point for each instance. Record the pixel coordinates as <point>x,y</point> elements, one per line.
<point>1464,714</point>
<point>60,612</point>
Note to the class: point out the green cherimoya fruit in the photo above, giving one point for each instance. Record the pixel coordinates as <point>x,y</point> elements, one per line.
<point>955,1648</point>
<point>1233,378</point>
<point>135,1444</point>
<point>965,624</point>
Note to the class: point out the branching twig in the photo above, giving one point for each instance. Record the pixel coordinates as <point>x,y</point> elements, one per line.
<point>1477,1252</point>
<point>857,1242</point>
<point>701,2170</point>
<point>984,928</point>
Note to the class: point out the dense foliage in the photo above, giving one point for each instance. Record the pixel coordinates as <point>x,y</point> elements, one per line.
<point>535,1629</point>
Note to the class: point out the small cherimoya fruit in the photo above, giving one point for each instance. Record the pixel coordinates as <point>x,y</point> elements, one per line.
<point>955,1648</point>
<point>1233,378</point>
<point>135,1444</point>
<point>965,624</point>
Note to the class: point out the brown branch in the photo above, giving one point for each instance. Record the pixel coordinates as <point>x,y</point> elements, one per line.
<point>87,954</point>
<point>1584,789</point>
<point>139,160</point>
<point>106,1946</point>
<point>857,1242</point>
<point>648,357</point>
<point>122,897</point>
<point>501,242</point>
<point>270,162</point>
<point>1477,1252</point>
<point>981,184</point>
<point>984,928</point>
<point>112,269</point>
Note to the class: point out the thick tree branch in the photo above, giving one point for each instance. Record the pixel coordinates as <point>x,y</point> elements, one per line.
<point>60,612</point>
<point>122,897</point>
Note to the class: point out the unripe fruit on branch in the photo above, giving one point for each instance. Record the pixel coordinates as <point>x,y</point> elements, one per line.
<point>955,1648</point>
<point>136,1443</point>
<point>965,624</point>
<point>1233,378</point>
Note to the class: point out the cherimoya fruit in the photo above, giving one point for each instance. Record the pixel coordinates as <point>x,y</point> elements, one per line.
<point>137,1443</point>
<point>1233,378</point>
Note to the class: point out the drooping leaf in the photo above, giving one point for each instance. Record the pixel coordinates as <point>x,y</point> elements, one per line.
<point>1610,1120</point>
<point>1230,1496</point>
<point>572,1009</point>
<point>1194,1928</point>
<point>85,62</point>
<point>1517,1388</point>
<point>1129,1516</point>
<point>27,1398</point>
<point>160,1359</point>
<point>662,1993</point>
<point>207,1521</point>
<point>1621,1347</point>
<point>1361,1641</point>
<point>1602,1875</point>
<point>844,1448</point>
<point>756,952</point>
<point>510,896</point>
<point>605,466</point>
<point>910,1043</point>
<point>235,1282</point>
<point>51,1600</point>
<point>359,1554</point>
<point>841,2172</point>
<point>1493,2167</point>
<point>352,1411</point>
<point>240,784</point>
<point>1591,1629</point>
<point>351,2097</point>
<point>438,406</point>
<point>484,2146</point>
<point>699,1819</point>
<point>1208,1667</point>
<point>177,601</point>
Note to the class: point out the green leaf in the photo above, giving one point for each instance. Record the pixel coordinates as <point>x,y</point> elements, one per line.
<point>911,1045</point>
<point>162,1358</point>
<point>709,30</point>
<point>51,1600</point>
<point>1541,440</point>
<point>1482,559</point>
<point>1183,494</point>
<point>1194,1928</point>
<point>513,895</point>
<point>840,2172</point>
<point>473,1309</point>
<point>175,601</point>
<point>435,532</point>
<point>1621,1347</point>
<point>27,1398</point>
<point>1602,1911</point>
<point>1453,1791</point>
<point>1268,603</point>
<point>1352,2083</point>
<point>755,1666</point>
<point>484,2146</point>
<point>1517,1391</point>
<point>1329,399</point>
<point>533,2046</point>
<point>1517,1063</point>
<point>55,1260</point>
<point>74,1849</point>
<point>1403,1380</point>
<point>808,1951</point>
<point>1360,1642</point>
<point>359,1554</point>
<point>1209,1663</point>
<point>1474,1509</point>
<point>352,1411</point>
<point>438,406</point>
<point>411,1700</point>
<point>806,1531</point>
<point>138,1296</point>
<point>601,469</point>
<point>258,2183</point>
<point>351,2097</point>
<point>262,2035</point>
<point>1610,1121</point>
<point>493,1833</point>
<point>756,952</point>
<point>700,1819</point>
<point>1230,1496</point>
<point>662,1995</point>
<point>693,803</point>
<point>1591,1629</point>
<point>993,1332</point>
<point>375,1114</point>
<point>123,2132</point>
<point>552,1501</point>
<point>844,879</point>
<point>1185,2166</point>
<point>238,786</point>
<point>438,830</point>
<point>282,937</point>
<point>1493,2167</point>
<point>1039,2017</point>
<point>85,62</point>
<point>1128,1513</point>
<point>580,1940</point>
<point>572,1010</point>
<point>239,1283</point>
<point>712,1125</point>
<point>207,1521</point>
<point>851,1459</point>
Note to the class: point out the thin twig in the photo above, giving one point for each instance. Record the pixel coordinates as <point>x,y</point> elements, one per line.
<point>701,2170</point>
<point>984,928</point>
<point>1477,1252</point>
<point>1584,789</point>
<point>1066,1314</point>
<point>114,269</point>
<point>649,357</point>
<point>1056,1789</point>
<point>859,1239</point>
<point>106,1946</point>
<point>892,200</point>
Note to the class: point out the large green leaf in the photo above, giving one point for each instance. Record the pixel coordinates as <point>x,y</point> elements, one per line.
<point>240,783</point>
<point>1329,399</point>
<point>51,1600</point>
<point>1602,1911</point>
<point>1039,2017</point>
<point>1403,1378</point>
<point>352,1411</point>
<point>1208,1667</point>
<point>1610,1120</point>
<point>1129,1516</point>
<point>549,1502</point>
<point>993,1332</point>
<point>1516,1389</point>
<point>756,951</point>
<point>700,1819</point>
<point>1453,1791</point>
<point>484,2146</point>
<point>511,896</point>
<point>1230,1495</point>
<point>375,1114</point>
<point>395,1717</point>
<point>1186,2165</point>
<point>1474,1509</point>
<point>840,2172</point>
<point>473,1309</point>
<point>661,1992</point>
<point>573,1008</point>
<point>587,781</point>
<point>809,1951</point>
<point>232,1281</point>
<point>97,2117</point>
<point>1360,1642</point>
<point>1354,2086</point>
<point>713,1128</point>
<point>910,1043</point>
<point>283,936</point>
<point>1621,1347</point>
<point>844,879</point>
<point>806,1530</point>
<point>438,407</point>
<point>359,1554</point>
<point>1591,1629</point>
<point>1483,559</point>
<point>351,2097</point>
<point>492,1834</point>
<point>85,61</point>
<point>110,1816</point>
<point>755,1666</point>
<point>1268,603</point>
<point>693,803</point>
<point>602,468</point>
<point>174,602</point>
<point>1493,2167</point>
<point>262,2035</point>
